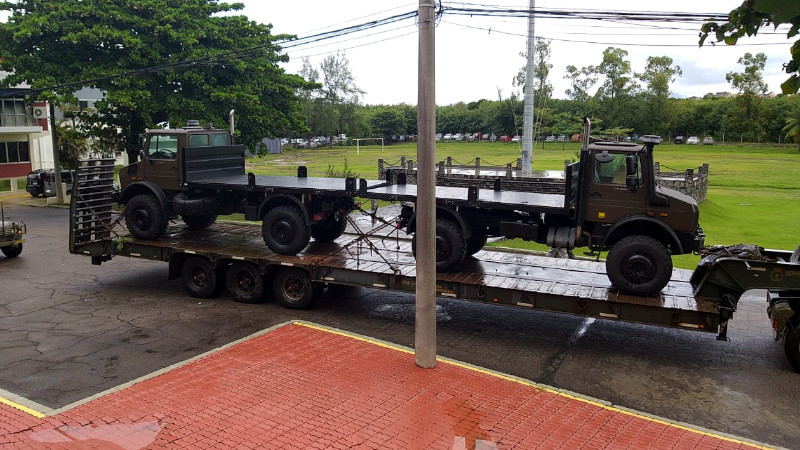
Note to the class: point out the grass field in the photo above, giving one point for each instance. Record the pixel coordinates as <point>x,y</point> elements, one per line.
<point>754,193</point>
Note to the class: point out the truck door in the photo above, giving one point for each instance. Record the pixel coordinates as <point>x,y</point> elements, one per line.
<point>609,198</point>
<point>161,167</point>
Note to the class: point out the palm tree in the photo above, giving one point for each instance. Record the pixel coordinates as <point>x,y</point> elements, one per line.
<point>792,127</point>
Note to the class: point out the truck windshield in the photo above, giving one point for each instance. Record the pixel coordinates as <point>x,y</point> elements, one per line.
<point>163,147</point>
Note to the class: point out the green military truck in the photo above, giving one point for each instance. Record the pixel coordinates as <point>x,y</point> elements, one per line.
<point>610,203</point>
<point>11,232</point>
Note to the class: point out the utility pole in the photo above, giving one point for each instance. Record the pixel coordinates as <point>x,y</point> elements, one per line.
<point>56,159</point>
<point>425,319</point>
<point>527,123</point>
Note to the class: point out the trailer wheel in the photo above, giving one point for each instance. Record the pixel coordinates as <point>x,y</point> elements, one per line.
<point>244,282</point>
<point>199,278</point>
<point>639,265</point>
<point>293,288</point>
<point>12,251</point>
<point>791,343</point>
<point>450,246</point>
<point>328,230</point>
<point>144,217</point>
<point>284,230</point>
<point>200,222</point>
<point>475,244</point>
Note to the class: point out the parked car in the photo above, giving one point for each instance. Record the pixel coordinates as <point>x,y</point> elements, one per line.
<point>35,185</point>
<point>438,136</point>
<point>550,139</point>
<point>708,140</point>
<point>505,138</point>
<point>448,137</point>
<point>575,138</point>
<point>680,140</point>
<point>43,182</point>
<point>693,140</point>
<point>486,137</point>
<point>458,137</point>
<point>562,138</point>
<point>516,138</point>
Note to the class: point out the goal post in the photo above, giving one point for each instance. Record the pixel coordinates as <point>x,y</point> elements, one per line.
<point>358,143</point>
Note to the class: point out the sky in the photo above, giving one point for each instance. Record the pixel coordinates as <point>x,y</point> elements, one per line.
<point>477,57</point>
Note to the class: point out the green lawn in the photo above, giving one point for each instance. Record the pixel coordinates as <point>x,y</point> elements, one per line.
<point>753,195</point>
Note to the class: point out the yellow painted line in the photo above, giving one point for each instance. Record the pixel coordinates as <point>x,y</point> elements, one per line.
<point>24,409</point>
<point>534,385</point>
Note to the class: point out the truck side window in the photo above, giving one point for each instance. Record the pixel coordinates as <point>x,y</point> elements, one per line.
<point>611,172</point>
<point>163,147</point>
<point>198,140</point>
<point>219,139</point>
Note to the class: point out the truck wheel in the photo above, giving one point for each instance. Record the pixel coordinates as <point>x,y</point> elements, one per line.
<point>12,251</point>
<point>284,230</point>
<point>200,222</point>
<point>328,230</point>
<point>244,282</point>
<point>791,343</point>
<point>475,244</point>
<point>293,289</point>
<point>639,265</point>
<point>199,278</point>
<point>450,246</point>
<point>144,217</point>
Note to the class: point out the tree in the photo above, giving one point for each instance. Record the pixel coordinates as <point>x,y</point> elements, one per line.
<point>541,70</point>
<point>183,60</point>
<point>387,122</point>
<point>658,74</point>
<point>792,128</point>
<point>748,18</point>
<point>750,85</point>
<point>582,80</point>
<point>617,85</point>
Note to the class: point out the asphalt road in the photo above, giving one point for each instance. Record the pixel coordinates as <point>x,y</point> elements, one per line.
<point>69,330</point>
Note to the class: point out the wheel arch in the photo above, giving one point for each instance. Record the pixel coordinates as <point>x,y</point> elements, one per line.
<point>445,212</point>
<point>144,187</point>
<point>646,226</point>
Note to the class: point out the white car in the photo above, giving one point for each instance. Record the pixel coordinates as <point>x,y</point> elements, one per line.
<point>448,137</point>
<point>693,140</point>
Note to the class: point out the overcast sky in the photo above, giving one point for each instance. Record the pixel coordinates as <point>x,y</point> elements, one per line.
<point>476,56</point>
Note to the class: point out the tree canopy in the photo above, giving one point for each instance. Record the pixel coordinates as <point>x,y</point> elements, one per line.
<point>154,61</point>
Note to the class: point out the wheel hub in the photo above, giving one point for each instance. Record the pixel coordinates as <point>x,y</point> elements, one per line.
<point>638,269</point>
<point>142,219</point>
<point>282,232</point>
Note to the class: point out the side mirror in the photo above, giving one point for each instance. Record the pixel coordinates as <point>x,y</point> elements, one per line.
<point>632,171</point>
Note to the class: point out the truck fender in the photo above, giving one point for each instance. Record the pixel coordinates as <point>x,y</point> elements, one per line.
<point>646,226</point>
<point>144,187</point>
<point>444,212</point>
<point>281,200</point>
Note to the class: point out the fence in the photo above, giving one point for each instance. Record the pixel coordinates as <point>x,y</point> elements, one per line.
<point>449,172</point>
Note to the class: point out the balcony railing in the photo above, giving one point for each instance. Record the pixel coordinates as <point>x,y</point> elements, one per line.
<point>14,120</point>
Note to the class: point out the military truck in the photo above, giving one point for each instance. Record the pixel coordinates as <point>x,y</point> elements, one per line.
<point>11,235</point>
<point>610,203</point>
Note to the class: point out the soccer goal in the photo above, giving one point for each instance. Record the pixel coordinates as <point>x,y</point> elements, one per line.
<point>358,143</point>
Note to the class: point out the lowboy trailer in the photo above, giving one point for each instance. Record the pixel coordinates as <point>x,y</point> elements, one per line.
<point>230,255</point>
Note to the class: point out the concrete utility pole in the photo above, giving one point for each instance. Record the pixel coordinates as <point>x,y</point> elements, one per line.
<point>527,124</point>
<point>56,159</point>
<point>425,322</point>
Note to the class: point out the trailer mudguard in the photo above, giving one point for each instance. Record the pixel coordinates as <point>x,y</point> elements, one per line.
<point>647,226</point>
<point>280,200</point>
<point>444,212</point>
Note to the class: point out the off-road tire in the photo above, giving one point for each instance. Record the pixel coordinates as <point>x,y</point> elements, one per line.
<point>200,222</point>
<point>791,343</point>
<point>199,278</point>
<point>328,230</point>
<point>12,251</point>
<point>245,282</point>
<point>144,217</point>
<point>284,230</point>
<point>475,244</point>
<point>639,265</point>
<point>451,249</point>
<point>293,289</point>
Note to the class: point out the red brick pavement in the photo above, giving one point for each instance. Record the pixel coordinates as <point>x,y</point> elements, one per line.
<point>300,386</point>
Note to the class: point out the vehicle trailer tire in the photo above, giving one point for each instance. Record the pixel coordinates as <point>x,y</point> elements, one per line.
<point>245,282</point>
<point>329,230</point>
<point>293,289</point>
<point>284,230</point>
<point>144,217</point>
<point>200,222</point>
<point>199,278</point>
<point>639,265</point>
<point>12,251</point>
<point>450,246</point>
<point>791,342</point>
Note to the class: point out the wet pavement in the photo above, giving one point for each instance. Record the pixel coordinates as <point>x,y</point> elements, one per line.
<point>70,331</point>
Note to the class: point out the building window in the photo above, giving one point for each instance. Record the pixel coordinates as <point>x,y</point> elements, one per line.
<point>12,113</point>
<point>14,152</point>
<point>83,105</point>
